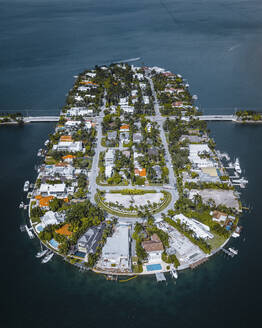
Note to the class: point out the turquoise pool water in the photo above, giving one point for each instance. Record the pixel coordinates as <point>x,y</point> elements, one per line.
<point>80,254</point>
<point>39,228</point>
<point>153,267</point>
<point>54,243</point>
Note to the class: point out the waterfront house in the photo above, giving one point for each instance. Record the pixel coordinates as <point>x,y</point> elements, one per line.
<point>195,152</point>
<point>69,146</point>
<point>89,241</point>
<point>51,218</point>
<point>57,189</point>
<point>116,252</point>
<point>219,217</point>
<point>200,230</point>
<point>154,248</point>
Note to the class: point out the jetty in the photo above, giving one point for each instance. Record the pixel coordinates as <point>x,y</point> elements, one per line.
<point>160,276</point>
<point>227,252</point>
<point>29,232</point>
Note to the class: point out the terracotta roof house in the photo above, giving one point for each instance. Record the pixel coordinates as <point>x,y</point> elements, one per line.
<point>124,127</point>
<point>66,138</point>
<point>64,230</point>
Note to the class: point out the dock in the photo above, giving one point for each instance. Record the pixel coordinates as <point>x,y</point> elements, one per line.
<point>160,276</point>
<point>227,252</point>
<point>29,232</point>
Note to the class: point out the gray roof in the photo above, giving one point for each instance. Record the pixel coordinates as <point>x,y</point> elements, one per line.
<point>91,238</point>
<point>137,137</point>
<point>153,151</point>
<point>158,170</point>
<point>112,135</point>
<point>191,138</point>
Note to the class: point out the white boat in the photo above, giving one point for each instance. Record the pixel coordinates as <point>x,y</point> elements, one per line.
<point>39,153</point>
<point>26,186</point>
<point>46,142</point>
<point>235,235</point>
<point>173,273</point>
<point>47,258</point>
<point>21,205</point>
<point>237,166</point>
<point>42,253</point>
<point>232,250</point>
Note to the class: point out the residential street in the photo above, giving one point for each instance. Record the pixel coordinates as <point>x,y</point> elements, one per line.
<point>95,169</point>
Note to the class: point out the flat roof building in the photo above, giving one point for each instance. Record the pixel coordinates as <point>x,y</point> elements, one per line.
<point>116,252</point>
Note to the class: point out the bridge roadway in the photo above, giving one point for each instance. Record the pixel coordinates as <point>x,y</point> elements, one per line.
<point>32,119</point>
<point>158,117</point>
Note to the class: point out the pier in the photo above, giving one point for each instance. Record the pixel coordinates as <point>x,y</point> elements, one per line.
<point>160,276</point>
<point>29,232</point>
<point>227,252</point>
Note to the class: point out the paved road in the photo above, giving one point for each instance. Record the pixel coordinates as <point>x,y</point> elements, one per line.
<point>160,119</point>
<point>95,169</point>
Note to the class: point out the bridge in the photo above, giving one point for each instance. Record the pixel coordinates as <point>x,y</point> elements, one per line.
<point>32,119</point>
<point>232,118</point>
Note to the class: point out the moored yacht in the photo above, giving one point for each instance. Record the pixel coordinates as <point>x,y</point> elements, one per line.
<point>47,257</point>
<point>26,186</point>
<point>42,253</point>
<point>173,273</point>
<point>237,166</point>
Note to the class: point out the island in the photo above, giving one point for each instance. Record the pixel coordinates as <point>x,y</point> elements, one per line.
<point>131,182</point>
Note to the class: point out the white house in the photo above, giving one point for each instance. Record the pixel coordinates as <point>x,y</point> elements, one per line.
<point>146,100</point>
<point>69,146</point>
<point>109,162</point>
<point>79,111</point>
<point>200,230</point>
<point>194,155</point>
<point>57,189</point>
<point>115,253</point>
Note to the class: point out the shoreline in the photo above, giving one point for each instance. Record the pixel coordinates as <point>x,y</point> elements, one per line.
<point>199,244</point>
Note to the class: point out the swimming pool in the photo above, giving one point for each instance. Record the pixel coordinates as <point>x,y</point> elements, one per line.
<point>39,228</point>
<point>54,243</point>
<point>153,267</point>
<point>80,254</point>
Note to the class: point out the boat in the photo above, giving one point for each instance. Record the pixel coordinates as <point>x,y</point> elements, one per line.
<point>173,273</point>
<point>46,142</point>
<point>47,258</point>
<point>236,233</point>
<point>21,205</point>
<point>42,253</point>
<point>233,250</point>
<point>39,153</point>
<point>26,186</point>
<point>237,166</point>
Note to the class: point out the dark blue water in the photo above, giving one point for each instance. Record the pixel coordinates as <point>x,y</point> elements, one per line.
<point>216,45</point>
